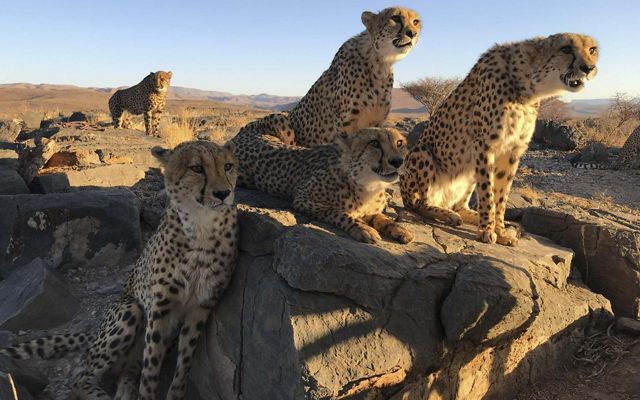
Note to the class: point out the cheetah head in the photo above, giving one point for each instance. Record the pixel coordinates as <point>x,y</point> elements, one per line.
<point>199,174</point>
<point>161,81</point>
<point>394,31</point>
<point>566,62</point>
<point>373,156</point>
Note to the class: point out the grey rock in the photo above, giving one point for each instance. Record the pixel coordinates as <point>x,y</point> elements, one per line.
<point>606,245</point>
<point>7,338</point>
<point>28,295</point>
<point>11,182</point>
<point>557,135</point>
<point>416,132</point>
<point>29,374</point>
<point>84,228</point>
<point>77,116</point>
<point>628,326</point>
<point>320,313</point>
<point>9,130</point>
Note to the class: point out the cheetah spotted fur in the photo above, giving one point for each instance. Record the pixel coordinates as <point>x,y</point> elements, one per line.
<point>342,184</point>
<point>476,138</point>
<point>182,273</point>
<point>629,157</point>
<point>147,97</point>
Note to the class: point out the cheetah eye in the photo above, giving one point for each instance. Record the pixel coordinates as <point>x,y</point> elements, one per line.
<point>593,50</point>
<point>375,143</point>
<point>228,167</point>
<point>399,143</point>
<point>396,19</point>
<point>566,49</point>
<point>416,22</point>
<point>197,169</point>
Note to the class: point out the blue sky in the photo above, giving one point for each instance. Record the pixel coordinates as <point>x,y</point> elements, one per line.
<point>281,47</point>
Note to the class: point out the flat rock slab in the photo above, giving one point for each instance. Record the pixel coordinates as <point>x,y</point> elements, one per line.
<point>81,228</point>
<point>606,246</point>
<point>28,295</point>
<point>325,317</point>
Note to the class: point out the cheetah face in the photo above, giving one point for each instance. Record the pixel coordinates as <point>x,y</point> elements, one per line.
<point>199,174</point>
<point>161,81</point>
<point>569,61</point>
<point>394,31</point>
<point>373,156</point>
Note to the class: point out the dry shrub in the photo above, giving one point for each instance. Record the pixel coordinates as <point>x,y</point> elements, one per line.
<point>179,128</point>
<point>553,109</point>
<point>431,92</point>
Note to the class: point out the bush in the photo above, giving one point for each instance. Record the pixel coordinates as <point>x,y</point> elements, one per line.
<point>431,92</point>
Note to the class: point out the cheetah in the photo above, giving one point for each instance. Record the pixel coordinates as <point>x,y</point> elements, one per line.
<point>147,97</point>
<point>629,157</point>
<point>474,141</point>
<point>355,92</point>
<point>342,184</point>
<point>182,273</point>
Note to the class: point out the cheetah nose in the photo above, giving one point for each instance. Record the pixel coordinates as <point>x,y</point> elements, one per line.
<point>587,68</point>
<point>222,194</point>
<point>410,33</point>
<point>396,162</point>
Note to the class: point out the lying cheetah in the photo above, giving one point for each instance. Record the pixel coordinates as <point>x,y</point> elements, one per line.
<point>629,157</point>
<point>475,139</point>
<point>146,97</point>
<point>355,92</point>
<point>182,273</point>
<point>342,184</point>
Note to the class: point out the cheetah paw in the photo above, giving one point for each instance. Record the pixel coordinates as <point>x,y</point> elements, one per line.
<point>400,233</point>
<point>487,236</point>
<point>505,239</point>
<point>364,233</point>
<point>452,218</point>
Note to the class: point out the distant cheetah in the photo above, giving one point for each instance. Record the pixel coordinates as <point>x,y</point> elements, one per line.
<point>146,97</point>
<point>182,273</point>
<point>342,184</point>
<point>629,157</point>
<point>479,133</point>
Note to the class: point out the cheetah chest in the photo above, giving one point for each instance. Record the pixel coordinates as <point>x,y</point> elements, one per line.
<point>518,126</point>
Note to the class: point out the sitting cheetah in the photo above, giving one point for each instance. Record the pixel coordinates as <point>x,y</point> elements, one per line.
<point>629,157</point>
<point>146,97</point>
<point>182,273</point>
<point>355,92</point>
<point>475,139</point>
<point>342,184</point>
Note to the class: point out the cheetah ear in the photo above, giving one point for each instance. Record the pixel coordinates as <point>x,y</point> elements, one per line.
<point>368,19</point>
<point>230,146</point>
<point>161,154</point>
<point>170,74</point>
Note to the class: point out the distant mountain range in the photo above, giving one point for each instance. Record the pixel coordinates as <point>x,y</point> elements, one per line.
<point>15,95</point>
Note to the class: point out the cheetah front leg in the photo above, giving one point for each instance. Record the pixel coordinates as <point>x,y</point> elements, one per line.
<point>506,168</point>
<point>484,189</point>
<point>415,183</point>
<point>192,327</point>
<point>148,123</point>
<point>157,337</point>
<point>389,228</point>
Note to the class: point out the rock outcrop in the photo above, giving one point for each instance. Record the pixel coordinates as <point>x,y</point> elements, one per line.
<point>313,314</point>
<point>606,245</point>
<point>28,295</point>
<point>80,228</point>
<point>557,135</point>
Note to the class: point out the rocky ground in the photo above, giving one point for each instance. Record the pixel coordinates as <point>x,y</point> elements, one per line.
<point>595,212</point>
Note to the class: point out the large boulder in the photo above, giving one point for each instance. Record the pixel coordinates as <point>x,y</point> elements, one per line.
<point>606,245</point>
<point>93,227</point>
<point>317,315</point>
<point>11,182</point>
<point>28,295</point>
<point>557,135</point>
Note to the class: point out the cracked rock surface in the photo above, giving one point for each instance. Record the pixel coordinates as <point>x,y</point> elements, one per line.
<point>312,314</point>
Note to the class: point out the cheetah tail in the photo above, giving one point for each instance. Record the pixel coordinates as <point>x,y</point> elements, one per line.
<point>48,347</point>
<point>591,165</point>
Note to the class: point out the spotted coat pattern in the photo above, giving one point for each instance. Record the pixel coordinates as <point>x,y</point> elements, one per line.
<point>147,97</point>
<point>475,139</point>
<point>182,273</point>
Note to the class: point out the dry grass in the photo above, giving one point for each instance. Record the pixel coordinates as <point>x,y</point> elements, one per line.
<point>527,191</point>
<point>180,128</point>
<point>606,129</point>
